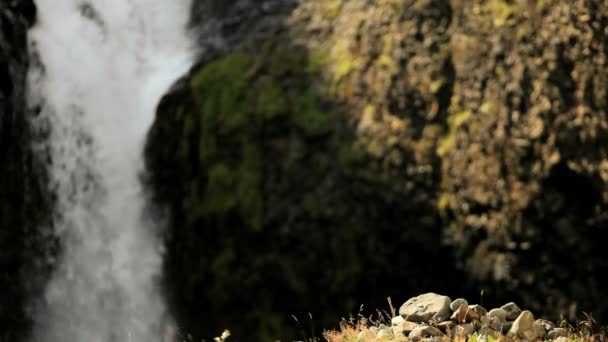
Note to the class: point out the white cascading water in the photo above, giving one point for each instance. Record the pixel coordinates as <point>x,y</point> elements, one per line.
<point>104,67</point>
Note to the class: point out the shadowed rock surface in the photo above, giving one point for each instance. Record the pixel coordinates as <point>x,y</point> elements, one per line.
<point>23,197</point>
<point>353,141</point>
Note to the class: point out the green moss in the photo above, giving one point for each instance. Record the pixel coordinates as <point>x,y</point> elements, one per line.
<point>316,61</point>
<point>250,184</point>
<point>308,115</point>
<point>271,101</point>
<point>234,97</point>
<point>220,191</point>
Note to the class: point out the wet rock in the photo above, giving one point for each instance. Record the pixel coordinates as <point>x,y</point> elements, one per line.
<point>425,307</point>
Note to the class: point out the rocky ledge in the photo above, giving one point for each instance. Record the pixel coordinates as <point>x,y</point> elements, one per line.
<point>434,317</point>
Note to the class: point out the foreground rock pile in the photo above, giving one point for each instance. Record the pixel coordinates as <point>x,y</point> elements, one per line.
<point>437,317</point>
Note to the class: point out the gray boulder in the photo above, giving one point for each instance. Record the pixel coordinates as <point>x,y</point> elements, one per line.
<point>425,307</point>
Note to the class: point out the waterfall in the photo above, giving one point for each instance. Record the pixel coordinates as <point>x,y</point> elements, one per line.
<point>104,65</point>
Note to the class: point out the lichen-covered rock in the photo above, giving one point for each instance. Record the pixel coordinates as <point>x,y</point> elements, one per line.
<point>280,137</point>
<point>526,133</point>
<point>372,129</point>
<point>426,306</point>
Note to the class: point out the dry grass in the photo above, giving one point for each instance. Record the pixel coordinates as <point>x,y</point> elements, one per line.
<point>358,330</point>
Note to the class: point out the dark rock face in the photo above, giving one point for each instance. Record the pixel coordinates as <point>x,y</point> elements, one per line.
<point>22,195</point>
<point>298,182</point>
<point>329,149</point>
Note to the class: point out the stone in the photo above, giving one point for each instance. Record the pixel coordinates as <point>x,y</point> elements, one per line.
<point>557,332</point>
<point>457,303</point>
<point>506,327</point>
<point>522,326</point>
<point>500,314</point>
<point>538,330</point>
<point>548,325</point>
<point>460,315</point>
<point>472,315</point>
<point>486,331</point>
<point>406,327</point>
<point>425,307</point>
<point>491,322</point>
<point>446,326</point>
<point>478,309</point>
<point>513,311</point>
<point>561,339</point>
<point>425,331</point>
<point>397,320</point>
<point>464,330</point>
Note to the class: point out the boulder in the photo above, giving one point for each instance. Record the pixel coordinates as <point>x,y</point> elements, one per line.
<point>425,307</point>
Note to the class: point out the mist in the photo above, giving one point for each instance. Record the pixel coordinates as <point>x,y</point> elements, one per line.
<point>103,68</point>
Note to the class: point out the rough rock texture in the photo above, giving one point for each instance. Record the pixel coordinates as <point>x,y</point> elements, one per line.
<point>425,307</point>
<point>527,138</point>
<point>22,189</point>
<point>340,135</point>
<point>480,327</point>
<point>280,192</point>
<point>425,331</point>
<point>523,326</point>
